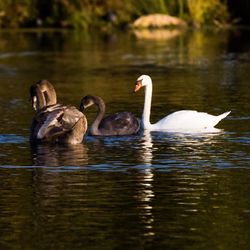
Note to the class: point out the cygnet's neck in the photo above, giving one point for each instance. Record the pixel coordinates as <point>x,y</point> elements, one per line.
<point>94,129</point>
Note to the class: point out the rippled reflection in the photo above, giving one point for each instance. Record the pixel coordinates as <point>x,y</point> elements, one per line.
<point>161,34</point>
<point>146,181</point>
<point>168,151</point>
<point>59,155</point>
<point>147,148</point>
<point>154,190</point>
<point>194,139</point>
<point>160,150</point>
<point>145,199</point>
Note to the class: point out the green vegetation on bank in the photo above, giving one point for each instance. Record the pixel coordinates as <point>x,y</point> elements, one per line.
<point>106,13</point>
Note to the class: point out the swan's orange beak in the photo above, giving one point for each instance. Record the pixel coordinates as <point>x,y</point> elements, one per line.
<point>138,85</point>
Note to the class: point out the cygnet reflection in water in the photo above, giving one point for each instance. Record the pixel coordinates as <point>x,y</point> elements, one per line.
<point>59,155</point>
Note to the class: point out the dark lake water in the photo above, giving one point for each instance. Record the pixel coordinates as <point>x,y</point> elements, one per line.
<point>153,190</point>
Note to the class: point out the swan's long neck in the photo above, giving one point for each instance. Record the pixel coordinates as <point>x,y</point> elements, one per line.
<point>147,106</point>
<point>94,130</point>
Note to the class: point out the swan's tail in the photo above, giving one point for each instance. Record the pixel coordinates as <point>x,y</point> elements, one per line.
<point>222,116</point>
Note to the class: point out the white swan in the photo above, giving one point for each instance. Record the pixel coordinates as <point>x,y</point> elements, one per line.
<point>180,121</point>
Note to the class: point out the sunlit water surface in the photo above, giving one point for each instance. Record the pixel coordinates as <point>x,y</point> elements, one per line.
<point>154,190</point>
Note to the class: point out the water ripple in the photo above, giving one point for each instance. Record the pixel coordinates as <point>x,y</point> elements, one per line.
<point>12,138</point>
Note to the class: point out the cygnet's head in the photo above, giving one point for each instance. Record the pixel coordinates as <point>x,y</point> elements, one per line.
<point>89,100</point>
<point>86,102</point>
<point>141,81</point>
<point>42,94</point>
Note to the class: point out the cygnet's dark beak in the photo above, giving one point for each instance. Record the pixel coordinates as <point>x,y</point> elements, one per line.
<point>81,107</point>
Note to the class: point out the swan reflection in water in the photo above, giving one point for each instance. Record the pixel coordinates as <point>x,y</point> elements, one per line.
<point>161,150</point>
<point>159,143</point>
<point>59,154</point>
<point>198,144</point>
<point>146,153</point>
<point>146,182</point>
